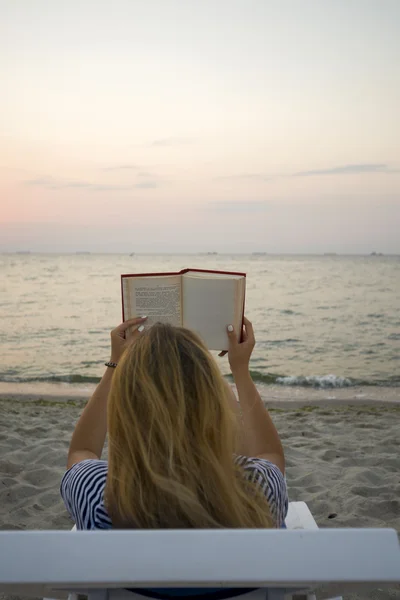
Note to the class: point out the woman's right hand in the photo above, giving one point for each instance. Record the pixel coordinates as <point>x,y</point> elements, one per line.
<point>118,336</point>
<point>239,352</point>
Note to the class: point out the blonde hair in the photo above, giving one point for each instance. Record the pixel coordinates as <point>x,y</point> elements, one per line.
<point>172,436</point>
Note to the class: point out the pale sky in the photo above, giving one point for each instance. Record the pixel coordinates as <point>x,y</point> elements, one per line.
<point>196,125</point>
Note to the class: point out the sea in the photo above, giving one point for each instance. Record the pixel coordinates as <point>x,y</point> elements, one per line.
<point>320,321</point>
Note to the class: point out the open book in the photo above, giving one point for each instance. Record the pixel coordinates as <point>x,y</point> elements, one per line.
<point>203,301</point>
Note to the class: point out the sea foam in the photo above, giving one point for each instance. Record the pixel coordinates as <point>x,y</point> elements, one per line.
<point>316,381</point>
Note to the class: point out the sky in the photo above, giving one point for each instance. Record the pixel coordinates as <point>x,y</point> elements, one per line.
<point>200,125</point>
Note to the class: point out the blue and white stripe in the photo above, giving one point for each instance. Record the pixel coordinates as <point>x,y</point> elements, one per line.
<point>83,485</point>
<point>272,483</point>
<point>82,489</point>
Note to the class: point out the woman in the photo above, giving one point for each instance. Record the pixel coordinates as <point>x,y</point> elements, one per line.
<point>183,453</point>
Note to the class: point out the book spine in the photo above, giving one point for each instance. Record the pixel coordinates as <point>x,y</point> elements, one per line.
<point>124,293</point>
<point>211,271</point>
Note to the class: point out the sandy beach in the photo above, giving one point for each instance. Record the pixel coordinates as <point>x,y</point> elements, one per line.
<point>342,459</point>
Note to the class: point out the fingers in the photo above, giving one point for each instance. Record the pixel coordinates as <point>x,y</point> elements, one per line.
<point>249,331</point>
<point>129,323</point>
<point>232,337</point>
<point>135,331</point>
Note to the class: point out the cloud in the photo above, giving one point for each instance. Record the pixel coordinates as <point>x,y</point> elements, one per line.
<point>44,181</point>
<point>253,176</point>
<point>140,173</point>
<point>120,168</point>
<point>53,184</point>
<point>353,169</point>
<point>238,206</point>
<point>146,185</point>
<point>348,170</point>
<point>171,141</point>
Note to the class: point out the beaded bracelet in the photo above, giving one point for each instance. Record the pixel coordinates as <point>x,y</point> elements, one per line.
<point>113,365</point>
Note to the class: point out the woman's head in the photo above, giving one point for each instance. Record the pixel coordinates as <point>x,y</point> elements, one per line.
<point>172,434</point>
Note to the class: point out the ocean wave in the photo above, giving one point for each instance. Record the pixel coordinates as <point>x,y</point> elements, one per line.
<point>394,336</point>
<point>71,378</point>
<point>311,381</point>
<point>283,342</point>
<point>316,381</point>
<point>322,381</point>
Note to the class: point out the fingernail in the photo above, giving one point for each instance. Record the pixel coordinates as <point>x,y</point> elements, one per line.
<point>230,328</point>
<point>145,317</point>
<point>141,328</point>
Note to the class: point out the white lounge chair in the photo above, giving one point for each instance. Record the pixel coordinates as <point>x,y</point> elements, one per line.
<point>102,564</point>
<point>299,517</point>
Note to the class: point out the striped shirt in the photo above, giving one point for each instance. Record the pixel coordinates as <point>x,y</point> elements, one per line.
<point>83,485</point>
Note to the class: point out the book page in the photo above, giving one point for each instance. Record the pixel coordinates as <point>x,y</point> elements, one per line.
<point>158,298</point>
<point>209,305</point>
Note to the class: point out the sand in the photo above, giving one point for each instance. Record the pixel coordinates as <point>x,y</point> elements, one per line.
<point>342,459</point>
<point>276,395</point>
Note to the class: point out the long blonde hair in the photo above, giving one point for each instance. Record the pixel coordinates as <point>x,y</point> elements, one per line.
<point>172,436</point>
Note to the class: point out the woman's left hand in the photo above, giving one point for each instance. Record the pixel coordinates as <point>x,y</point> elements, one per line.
<point>118,339</point>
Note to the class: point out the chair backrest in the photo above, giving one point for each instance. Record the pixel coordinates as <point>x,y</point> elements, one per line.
<point>47,563</point>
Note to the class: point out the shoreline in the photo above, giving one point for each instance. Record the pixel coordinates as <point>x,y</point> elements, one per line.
<point>275,396</point>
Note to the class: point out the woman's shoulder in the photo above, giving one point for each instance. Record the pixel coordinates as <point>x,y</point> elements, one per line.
<point>254,462</point>
<point>82,489</point>
<point>89,465</point>
<point>259,469</point>
<point>270,479</point>
<point>85,472</point>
